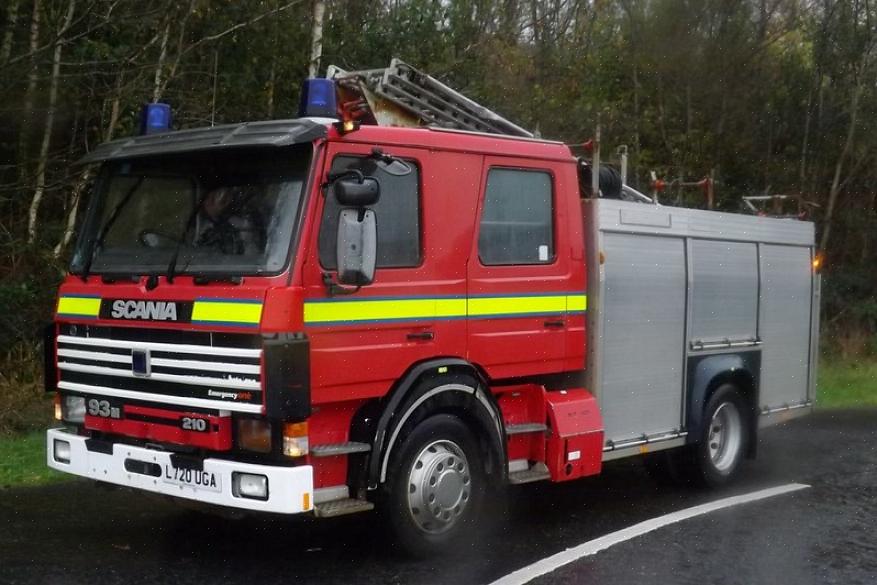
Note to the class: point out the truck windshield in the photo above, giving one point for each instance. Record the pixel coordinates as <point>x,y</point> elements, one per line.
<point>229,212</point>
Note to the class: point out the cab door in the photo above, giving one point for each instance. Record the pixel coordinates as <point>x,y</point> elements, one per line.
<point>363,342</point>
<point>520,282</point>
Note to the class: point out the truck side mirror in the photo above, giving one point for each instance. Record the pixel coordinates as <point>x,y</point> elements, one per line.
<point>356,246</point>
<point>357,191</point>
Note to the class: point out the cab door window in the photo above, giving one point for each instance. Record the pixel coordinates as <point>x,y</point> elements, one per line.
<point>517,223</point>
<point>397,213</point>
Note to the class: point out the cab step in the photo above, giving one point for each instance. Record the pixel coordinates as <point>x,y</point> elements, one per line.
<point>342,507</point>
<point>333,449</point>
<point>538,472</point>
<point>525,428</point>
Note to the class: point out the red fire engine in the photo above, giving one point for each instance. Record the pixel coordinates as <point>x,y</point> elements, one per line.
<point>330,313</point>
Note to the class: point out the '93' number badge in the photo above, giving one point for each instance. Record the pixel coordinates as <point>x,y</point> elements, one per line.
<point>103,409</point>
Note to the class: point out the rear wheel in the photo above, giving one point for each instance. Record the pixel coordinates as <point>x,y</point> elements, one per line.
<point>723,437</point>
<point>436,486</point>
<point>716,457</point>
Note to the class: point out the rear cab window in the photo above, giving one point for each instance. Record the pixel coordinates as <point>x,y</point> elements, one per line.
<point>517,220</point>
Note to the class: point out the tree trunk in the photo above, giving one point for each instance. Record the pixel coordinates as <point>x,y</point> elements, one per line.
<point>317,38</point>
<point>162,56</point>
<point>11,21</point>
<point>70,224</point>
<point>82,181</point>
<point>43,161</point>
<point>30,92</point>
<point>838,167</point>
<point>871,213</point>
<point>802,169</point>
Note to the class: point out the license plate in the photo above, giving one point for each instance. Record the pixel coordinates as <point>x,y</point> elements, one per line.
<point>201,480</point>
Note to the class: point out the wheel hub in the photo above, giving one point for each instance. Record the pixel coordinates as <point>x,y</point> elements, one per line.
<point>439,486</point>
<point>725,436</point>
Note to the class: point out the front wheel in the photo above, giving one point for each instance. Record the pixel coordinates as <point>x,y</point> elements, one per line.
<point>436,487</point>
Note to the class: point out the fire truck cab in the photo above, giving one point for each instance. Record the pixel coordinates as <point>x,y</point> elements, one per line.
<point>315,316</point>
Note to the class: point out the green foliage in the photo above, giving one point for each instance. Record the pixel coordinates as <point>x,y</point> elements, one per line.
<point>23,462</point>
<point>847,384</point>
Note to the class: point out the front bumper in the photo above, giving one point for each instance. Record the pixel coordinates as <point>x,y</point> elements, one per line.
<point>290,489</point>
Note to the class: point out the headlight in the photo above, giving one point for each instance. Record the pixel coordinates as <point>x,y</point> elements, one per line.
<point>73,409</point>
<point>61,451</point>
<point>249,485</point>
<point>254,435</point>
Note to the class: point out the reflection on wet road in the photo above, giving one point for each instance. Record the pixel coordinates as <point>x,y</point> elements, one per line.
<point>76,532</point>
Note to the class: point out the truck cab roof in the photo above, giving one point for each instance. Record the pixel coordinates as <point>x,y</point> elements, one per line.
<point>280,133</point>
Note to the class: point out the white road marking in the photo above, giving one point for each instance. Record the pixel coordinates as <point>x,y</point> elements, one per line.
<point>592,547</point>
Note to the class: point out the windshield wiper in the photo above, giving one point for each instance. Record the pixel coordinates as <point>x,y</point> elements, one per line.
<point>114,215</point>
<point>172,265</point>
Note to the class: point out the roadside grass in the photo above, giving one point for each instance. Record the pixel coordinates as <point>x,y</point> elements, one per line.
<point>23,461</point>
<point>847,383</point>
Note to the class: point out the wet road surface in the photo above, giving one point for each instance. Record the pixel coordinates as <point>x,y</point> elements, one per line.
<point>76,532</point>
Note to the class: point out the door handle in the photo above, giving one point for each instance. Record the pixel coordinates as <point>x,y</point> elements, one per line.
<point>421,336</point>
<point>554,324</point>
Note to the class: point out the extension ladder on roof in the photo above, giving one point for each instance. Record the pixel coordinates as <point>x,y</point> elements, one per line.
<point>400,95</point>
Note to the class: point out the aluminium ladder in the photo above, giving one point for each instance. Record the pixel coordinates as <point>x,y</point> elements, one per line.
<point>400,95</point>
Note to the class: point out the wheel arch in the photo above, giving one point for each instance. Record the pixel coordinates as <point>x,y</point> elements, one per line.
<point>477,408</point>
<point>708,373</point>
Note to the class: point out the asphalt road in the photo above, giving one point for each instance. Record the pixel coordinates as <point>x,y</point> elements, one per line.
<point>75,532</point>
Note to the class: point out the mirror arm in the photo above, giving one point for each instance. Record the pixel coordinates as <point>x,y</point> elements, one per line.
<point>336,290</point>
<point>334,176</point>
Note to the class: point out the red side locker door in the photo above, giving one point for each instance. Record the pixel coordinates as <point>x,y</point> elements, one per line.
<point>519,270</point>
<point>363,342</point>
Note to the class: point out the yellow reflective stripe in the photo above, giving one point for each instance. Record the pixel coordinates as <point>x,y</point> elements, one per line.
<point>80,306</point>
<point>577,303</point>
<point>227,312</point>
<point>493,306</point>
<point>380,310</point>
<point>350,311</point>
<point>450,308</point>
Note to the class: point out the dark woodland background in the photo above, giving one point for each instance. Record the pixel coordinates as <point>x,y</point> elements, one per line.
<point>770,96</point>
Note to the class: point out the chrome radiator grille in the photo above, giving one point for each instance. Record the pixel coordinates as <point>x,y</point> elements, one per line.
<point>197,375</point>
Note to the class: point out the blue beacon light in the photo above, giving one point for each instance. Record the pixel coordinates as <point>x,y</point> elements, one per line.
<point>155,118</point>
<point>318,99</point>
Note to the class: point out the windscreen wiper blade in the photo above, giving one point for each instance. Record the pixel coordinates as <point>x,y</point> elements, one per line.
<point>172,265</point>
<point>114,215</point>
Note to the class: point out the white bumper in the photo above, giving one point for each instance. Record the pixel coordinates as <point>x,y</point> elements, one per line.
<point>290,489</point>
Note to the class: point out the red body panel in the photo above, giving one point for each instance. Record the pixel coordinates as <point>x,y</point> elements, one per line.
<point>166,425</point>
<point>575,448</point>
<point>355,362</point>
<point>362,360</point>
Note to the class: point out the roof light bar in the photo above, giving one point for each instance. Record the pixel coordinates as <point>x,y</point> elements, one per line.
<point>155,118</point>
<point>318,99</point>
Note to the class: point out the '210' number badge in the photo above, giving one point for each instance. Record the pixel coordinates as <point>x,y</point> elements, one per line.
<point>192,423</point>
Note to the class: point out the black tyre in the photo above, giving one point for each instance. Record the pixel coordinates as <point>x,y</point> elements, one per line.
<point>435,487</point>
<point>716,457</point>
<point>724,437</point>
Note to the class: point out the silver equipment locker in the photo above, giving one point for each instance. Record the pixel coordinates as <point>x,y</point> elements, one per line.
<point>666,285</point>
